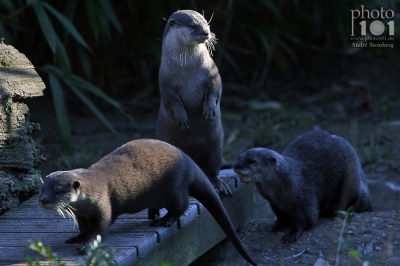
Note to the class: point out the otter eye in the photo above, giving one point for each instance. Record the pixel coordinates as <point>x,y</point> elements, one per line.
<point>193,26</point>
<point>251,161</point>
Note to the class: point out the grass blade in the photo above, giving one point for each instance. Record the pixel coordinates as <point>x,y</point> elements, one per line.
<point>61,111</point>
<point>67,25</point>
<point>92,107</point>
<point>62,56</point>
<point>109,12</point>
<point>83,84</point>
<point>45,25</point>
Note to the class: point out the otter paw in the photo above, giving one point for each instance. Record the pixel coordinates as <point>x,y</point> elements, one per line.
<point>161,222</point>
<point>279,226</point>
<point>153,213</point>
<point>209,112</point>
<point>293,234</point>
<point>76,239</point>
<point>183,123</point>
<point>223,189</point>
<point>83,250</point>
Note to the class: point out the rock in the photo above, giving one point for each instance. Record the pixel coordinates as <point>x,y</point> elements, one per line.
<point>19,155</point>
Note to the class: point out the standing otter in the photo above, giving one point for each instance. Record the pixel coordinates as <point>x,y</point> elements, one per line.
<point>140,174</point>
<point>191,88</point>
<point>315,176</point>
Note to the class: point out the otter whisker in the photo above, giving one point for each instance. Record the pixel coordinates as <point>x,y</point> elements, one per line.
<point>62,207</point>
<point>186,51</point>
<point>210,43</point>
<point>183,51</point>
<point>69,211</point>
<point>257,179</point>
<point>212,15</point>
<point>60,212</point>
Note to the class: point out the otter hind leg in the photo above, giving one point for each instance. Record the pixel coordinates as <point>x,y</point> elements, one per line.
<point>177,206</point>
<point>153,213</point>
<point>166,221</point>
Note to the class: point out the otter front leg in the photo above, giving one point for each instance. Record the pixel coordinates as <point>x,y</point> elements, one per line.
<point>84,232</point>
<point>98,224</point>
<point>211,102</point>
<point>174,108</point>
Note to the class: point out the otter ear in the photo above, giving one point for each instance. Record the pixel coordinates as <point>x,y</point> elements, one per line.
<point>76,184</point>
<point>272,160</point>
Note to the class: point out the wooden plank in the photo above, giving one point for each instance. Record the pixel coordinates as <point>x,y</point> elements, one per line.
<point>131,233</point>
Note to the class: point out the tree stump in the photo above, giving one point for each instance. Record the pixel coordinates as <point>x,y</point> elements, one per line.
<point>19,155</point>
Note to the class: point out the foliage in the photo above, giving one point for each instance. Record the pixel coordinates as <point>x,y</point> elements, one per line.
<point>56,32</point>
<point>101,47</point>
<point>97,255</point>
<point>44,251</point>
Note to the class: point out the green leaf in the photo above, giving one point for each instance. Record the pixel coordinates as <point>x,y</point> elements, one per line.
<point>61,111</point>
<point>85,60</point>
<point>91,11</point>
<point>273,8</point>
<point>62,57</point>
<point>67,24</point>
<point>81,83</point>
<point>354,254</point>
<point>264,41</point>
<point>109,12</point>
<point>92,107</point>
<point>286,48</point>
<point>45,25</point>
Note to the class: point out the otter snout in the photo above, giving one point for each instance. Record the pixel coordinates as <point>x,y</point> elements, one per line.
<point>45,202</point>
<point>243,174</point>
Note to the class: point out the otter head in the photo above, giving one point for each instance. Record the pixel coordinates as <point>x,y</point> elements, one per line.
<point>59,190</point>
<point>255,163</point>
<point>188,28</point>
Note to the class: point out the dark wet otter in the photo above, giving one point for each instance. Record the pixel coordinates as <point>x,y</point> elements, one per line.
<point>315,176</point>
<point>191,88</point>
<point>138,175</point>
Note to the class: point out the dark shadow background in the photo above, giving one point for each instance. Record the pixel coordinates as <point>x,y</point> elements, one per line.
<point>287,67</point>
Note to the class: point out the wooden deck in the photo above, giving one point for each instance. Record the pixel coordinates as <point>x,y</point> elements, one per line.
<point>135,241</point>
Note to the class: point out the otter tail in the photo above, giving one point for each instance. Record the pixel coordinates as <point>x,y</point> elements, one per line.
<point>202,190</point>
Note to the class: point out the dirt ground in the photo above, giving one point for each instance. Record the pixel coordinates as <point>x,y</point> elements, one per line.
<point>358,101</point>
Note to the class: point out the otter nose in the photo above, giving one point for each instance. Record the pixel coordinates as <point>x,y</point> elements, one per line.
<point>44,200</point>
<point>205,33</point>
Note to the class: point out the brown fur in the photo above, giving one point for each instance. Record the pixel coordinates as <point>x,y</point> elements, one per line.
<point>138,175</point>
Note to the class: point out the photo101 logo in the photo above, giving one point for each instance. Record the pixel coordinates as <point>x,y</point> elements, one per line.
<point>376,33</point>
